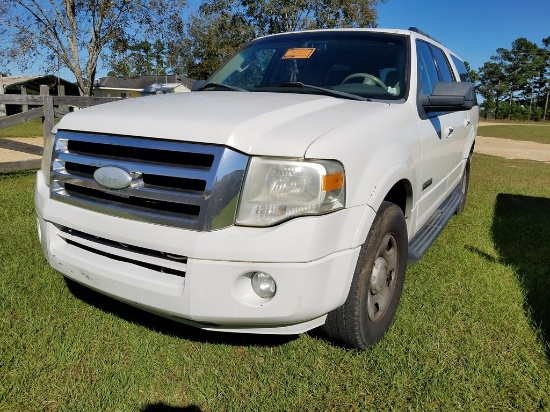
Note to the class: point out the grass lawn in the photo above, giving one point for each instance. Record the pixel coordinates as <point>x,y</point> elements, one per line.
<point>472,332</point>
<point>32,128</point>
<point>534,133</point>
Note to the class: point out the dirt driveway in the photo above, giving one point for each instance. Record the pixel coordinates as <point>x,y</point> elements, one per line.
<point>20,153</point>
<point>513,149</point>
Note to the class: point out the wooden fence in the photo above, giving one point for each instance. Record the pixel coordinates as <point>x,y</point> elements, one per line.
<point>49,108</point>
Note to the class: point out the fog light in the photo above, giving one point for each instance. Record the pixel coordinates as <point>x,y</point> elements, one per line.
<point>263,285</point>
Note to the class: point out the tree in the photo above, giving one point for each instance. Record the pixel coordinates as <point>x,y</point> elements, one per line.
<point>519,76</point>
<point>213,35</point>
<point>471,72</point>
<point>75,33</point>
<point>275,16</point>
<point>493,86</point>
<point>221,26</point>
<point>140,59</point>
<point>526,66</point>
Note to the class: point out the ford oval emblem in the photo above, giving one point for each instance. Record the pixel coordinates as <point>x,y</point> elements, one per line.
<point>112,177</point>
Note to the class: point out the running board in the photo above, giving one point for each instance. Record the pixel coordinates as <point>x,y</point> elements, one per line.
<point>433,227</point>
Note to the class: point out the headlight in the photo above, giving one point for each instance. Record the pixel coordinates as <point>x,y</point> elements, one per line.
<point>279,189</point>
<point>47,158</point>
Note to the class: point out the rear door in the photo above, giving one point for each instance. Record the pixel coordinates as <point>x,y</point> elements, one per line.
<point>467,129</point>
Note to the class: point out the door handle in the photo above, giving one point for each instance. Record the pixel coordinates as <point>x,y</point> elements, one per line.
<point>449,131</point>
<point>467,123</point>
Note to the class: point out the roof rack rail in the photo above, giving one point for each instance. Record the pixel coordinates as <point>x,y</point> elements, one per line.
<point>416,30</point>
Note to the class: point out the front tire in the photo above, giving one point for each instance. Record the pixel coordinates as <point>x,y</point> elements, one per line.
<point>377,283</point>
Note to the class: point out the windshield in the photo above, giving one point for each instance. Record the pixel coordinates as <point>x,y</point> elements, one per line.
<point>368,65</point>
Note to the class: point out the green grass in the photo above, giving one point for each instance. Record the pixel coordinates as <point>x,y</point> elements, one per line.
<point>32,128</point>
<point>472,332</point>
<point>533,133</point>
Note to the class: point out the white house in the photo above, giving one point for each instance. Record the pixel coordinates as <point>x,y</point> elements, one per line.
<point>111,86</point>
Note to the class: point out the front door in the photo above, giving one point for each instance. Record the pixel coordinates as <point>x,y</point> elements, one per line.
<point>440,134</point>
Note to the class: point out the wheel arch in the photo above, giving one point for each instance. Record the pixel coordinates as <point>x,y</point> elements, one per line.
<point>395,187</point>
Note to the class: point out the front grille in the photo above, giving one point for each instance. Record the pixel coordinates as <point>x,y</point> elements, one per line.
<point>188,185</point>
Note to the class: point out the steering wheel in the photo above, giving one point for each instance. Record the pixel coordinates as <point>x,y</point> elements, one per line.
<point>367,79</point>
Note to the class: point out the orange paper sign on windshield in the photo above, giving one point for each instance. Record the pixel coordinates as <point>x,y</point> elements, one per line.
<point>299,53</point>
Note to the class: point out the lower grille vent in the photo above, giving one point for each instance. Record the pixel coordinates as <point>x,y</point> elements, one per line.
<point>146,258</point>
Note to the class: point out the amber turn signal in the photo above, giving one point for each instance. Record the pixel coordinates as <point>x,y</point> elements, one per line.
<point>333,182</point>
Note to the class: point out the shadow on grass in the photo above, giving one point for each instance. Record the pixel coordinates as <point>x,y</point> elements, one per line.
<point>521,232</point>
<point>162,407</point>
<point>171,327</point>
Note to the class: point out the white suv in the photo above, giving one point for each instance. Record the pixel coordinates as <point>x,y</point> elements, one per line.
<point>288,192</point>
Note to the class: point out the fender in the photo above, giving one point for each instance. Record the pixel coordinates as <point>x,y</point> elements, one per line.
<point>372,149</point>
<point>393,175</point>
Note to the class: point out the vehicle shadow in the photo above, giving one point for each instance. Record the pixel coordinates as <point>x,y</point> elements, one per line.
<point>162,407</point>
<point>171,327</point>
<point>521,232</point>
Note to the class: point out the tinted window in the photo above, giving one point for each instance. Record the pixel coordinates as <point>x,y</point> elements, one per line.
<point>462,70</point>
<point>426,68</point>
<point>443,64</point>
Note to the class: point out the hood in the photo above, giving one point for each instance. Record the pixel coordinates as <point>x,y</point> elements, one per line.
<point>273,124</point>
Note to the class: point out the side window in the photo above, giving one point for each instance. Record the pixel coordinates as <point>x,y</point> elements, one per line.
<point>443,64</point>
<point>462,70</point>
<point>426,68</point>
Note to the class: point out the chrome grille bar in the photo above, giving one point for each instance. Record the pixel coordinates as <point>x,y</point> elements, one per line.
<point>193,186</point>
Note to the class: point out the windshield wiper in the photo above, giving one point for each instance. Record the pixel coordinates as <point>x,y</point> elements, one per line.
<point>330,92</point>
<point>224,86</point>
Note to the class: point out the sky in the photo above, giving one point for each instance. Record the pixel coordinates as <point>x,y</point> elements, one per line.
<point>473,29</point>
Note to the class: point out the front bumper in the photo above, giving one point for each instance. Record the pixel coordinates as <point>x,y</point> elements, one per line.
<point>311,259</point>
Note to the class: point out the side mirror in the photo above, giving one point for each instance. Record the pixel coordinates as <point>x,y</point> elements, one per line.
<point>450,97</point>
<point>197,85</point>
